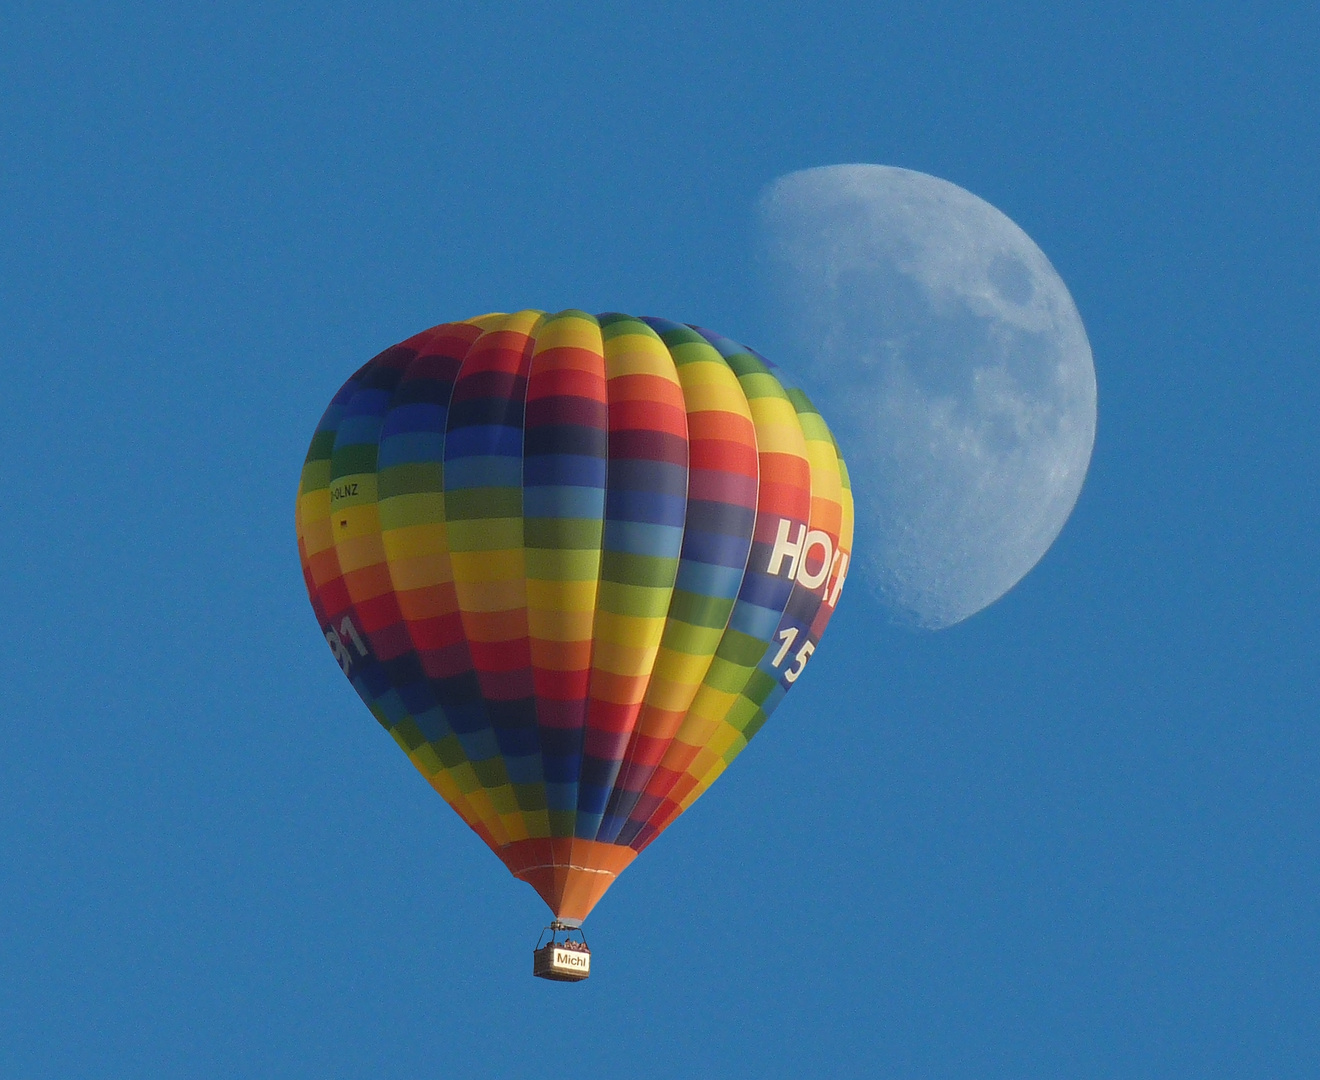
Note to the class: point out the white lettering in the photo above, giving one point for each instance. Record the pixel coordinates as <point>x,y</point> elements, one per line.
<point>803,655</point>
<point>347,627</point>
<point>838,581</point>
<point>815,539</point>
<point>787,549</point>
<point>788,635</point>
<point>337,647</point>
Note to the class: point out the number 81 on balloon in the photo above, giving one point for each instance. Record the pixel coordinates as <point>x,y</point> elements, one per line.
<point>336,640</point>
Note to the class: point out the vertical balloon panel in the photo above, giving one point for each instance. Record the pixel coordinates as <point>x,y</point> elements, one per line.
<point>783,510</point>
<point>565,457</point>
<point>718,525</point>
<point>644,522</point>
<point>484,517</point>
<point>410,487</point>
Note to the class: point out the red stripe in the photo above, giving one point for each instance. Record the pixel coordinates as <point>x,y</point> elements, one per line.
<point>447,662</point>
<point>562,685</point>
<point>512,685</point>
<point>499,350</point>
<point>437,368</point>
<point>561,714</point>
<point>647,416</point>
<point>565,381</point>
<point>390,642</point>
<point>489,384</point>
<point>445,340</point>
<point>500,657</point>
<point>780,500</point>
<point>334,595</point>
<point>724,487</point>
<point>725,456</point>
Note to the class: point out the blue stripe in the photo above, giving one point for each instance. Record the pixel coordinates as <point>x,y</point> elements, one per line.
<point>704,579</point>
<point>564,502</point>
<point>483,440</point>
<point>719,549</point>
<point>755,621</point>
<point>570,470</point>
<point>633,538</point>
<point>358,429</point>
<point>404,418</point>
<point>481,472</point>
<point>433,724</point>
<point>524,767</point>
<point>642,474</point>
<point>410,448</point>
<point>648,506</point>
<point>368,403</point>
<point>770,592</point>
<point>479,745</point>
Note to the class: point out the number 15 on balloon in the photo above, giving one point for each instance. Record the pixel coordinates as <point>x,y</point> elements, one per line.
<point>789,636</point>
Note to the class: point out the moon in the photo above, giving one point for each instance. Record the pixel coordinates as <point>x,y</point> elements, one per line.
<point>951,362</point>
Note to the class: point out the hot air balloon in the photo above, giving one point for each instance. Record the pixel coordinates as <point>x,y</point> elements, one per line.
<point>572,563</point>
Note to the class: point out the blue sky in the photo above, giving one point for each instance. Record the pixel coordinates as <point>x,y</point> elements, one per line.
<point>1075,836</point>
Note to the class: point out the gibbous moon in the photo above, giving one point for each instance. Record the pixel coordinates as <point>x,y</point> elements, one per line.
<point>951,362</point>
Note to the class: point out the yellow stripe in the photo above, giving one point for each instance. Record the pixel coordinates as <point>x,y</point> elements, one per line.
<point>415,541</point>
<point>476,566</point>
<point>569,331</point>
<point>638,354</point>
<point>564,596</point>
<point>317,535</point>
<point>785,438</point>
<point>487,596</point>
<point>622,660</point>
<point>641,632</point>
<point>683,669</point>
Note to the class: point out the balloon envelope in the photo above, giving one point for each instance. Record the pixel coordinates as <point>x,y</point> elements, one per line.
<point>572,563</point>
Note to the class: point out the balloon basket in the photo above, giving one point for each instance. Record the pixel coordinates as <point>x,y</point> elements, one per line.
<point>561,959</point>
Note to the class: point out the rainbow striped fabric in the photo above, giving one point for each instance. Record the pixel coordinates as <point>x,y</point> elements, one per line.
<point>572,563</point>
